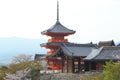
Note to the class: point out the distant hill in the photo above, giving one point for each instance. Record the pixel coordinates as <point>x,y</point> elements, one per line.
<point>10,47</point>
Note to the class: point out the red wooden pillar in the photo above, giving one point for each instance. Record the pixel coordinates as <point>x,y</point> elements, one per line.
<point>99,66</point>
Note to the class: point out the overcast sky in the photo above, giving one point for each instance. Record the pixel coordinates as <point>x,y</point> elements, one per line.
<point>93,20</point>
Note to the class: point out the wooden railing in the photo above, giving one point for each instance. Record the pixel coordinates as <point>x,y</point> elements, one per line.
<point>58,40</point>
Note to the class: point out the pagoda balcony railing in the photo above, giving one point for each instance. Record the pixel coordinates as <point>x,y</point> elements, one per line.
<point>58,40</point>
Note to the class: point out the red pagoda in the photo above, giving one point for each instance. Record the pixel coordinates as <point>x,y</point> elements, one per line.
<point>57,33</point>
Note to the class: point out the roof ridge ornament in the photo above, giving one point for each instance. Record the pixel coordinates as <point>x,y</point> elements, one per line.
<point>57,11</point>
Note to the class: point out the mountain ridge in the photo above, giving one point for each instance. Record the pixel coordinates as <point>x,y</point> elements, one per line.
<point>13,46</point>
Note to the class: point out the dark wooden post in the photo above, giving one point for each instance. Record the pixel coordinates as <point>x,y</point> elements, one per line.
<point>99,66</point>
<point>67,64</point>
<point>62,59</point>
<point>72,63</point>
<point>62,63</point>
<point>89,66</point>
<point>79,64</point>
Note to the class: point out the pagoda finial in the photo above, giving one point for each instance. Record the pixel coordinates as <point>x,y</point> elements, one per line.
<point>57,10</point>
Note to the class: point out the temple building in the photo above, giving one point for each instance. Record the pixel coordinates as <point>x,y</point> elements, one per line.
<point>97,58</point>
<point>74,58</point>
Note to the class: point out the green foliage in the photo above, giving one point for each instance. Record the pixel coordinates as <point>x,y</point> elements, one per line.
<point>112,71</point>
<point>3,70</point>
<point>98,77</point>
<point>89,78</point>
<point>19,66</point>
<point>35,67</point>
<point>22,63</point>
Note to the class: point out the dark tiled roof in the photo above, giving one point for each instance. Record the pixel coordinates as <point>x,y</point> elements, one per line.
<point>77,50</point>
<point>39,56</point>
<point>58,28</point>
<point>51,44</point>
<point>105,53</point>
<point>78,45</point>
<point>106,43</point>
<point>118,44</point>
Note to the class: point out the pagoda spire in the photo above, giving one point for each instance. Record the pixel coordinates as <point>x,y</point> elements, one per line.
<point>57,11</point>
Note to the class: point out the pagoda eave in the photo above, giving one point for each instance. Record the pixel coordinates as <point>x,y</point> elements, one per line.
<point>56,33</point>
<point>50,45</point>
<point>51,59</point>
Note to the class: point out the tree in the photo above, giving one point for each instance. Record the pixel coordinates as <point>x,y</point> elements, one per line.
<point>112,71</point>
<point>35,68</point>
<point>20,62</point>
<point>3,70</point>
<point>21,58</point>
<point>24,67</point>
<point>12,68</point>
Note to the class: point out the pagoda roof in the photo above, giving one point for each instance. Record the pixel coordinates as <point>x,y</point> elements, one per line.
<point>51,44</point>
<point>105,53</point>
<point>58,28</point>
